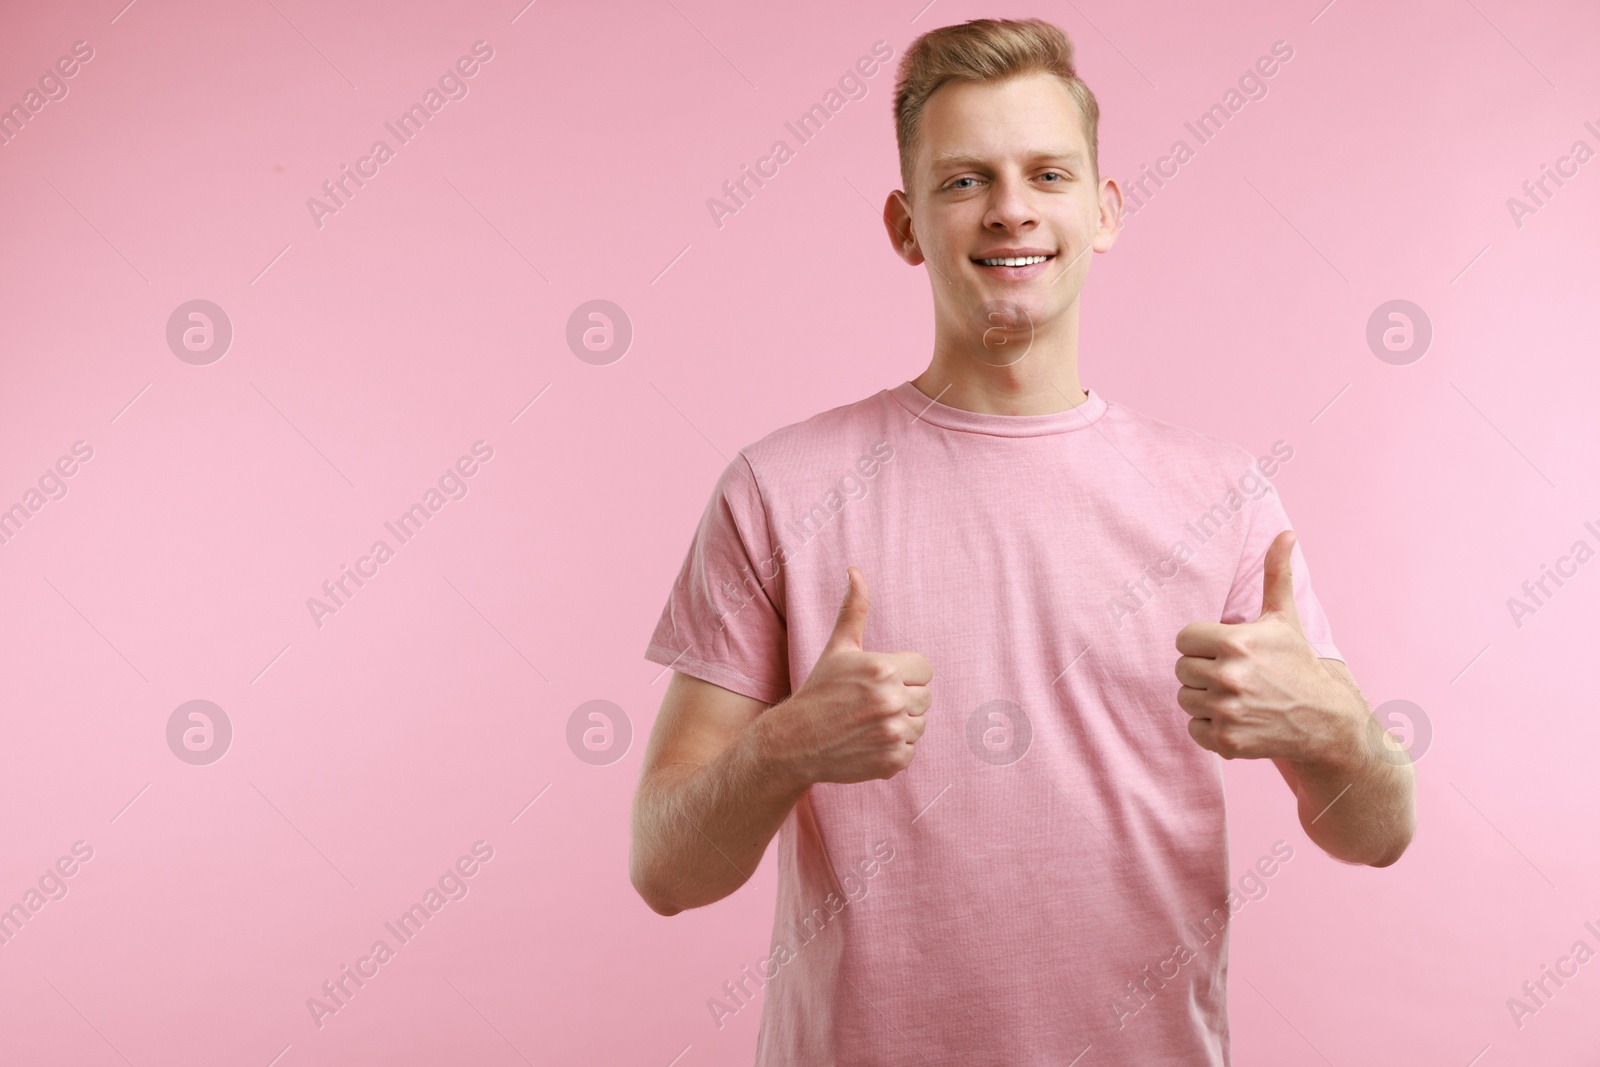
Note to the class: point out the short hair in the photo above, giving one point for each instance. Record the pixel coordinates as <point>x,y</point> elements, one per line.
<point>985,50</point>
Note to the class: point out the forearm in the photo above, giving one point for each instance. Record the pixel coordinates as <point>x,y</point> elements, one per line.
<point>699,831</point>
<point>1358,813</point>
<point>1357,795</point>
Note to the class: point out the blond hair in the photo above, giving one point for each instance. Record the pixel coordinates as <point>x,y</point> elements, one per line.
<point>985,50</point>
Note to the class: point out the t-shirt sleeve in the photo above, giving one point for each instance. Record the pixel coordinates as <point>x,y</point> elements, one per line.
<point>724,619</point>
<point>1268,520</point>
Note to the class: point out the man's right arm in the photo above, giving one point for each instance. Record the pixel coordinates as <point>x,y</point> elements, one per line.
<point>722,771</point>
<point>710,797</point>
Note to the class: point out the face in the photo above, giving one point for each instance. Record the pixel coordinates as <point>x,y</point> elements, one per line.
<point>1002,171</point>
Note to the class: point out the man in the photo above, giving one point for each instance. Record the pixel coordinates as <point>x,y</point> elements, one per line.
<point>1003,835</point>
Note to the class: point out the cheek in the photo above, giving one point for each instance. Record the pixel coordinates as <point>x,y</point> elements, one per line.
<point>947,242</point>
<point>1077,223</point>
<point>1091,219</point>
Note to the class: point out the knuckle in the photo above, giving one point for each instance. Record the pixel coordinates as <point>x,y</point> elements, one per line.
<point>893,763</point>
<point>883,700</point>
<point>1236,644</point>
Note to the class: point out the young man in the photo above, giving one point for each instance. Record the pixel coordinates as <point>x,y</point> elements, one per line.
<point>1003,836</point>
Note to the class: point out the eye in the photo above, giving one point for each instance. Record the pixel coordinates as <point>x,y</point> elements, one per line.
<point>1057,173</point>
<point>954,185</point>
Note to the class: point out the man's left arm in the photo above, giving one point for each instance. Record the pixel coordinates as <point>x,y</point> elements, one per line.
<point>1257,690</point>
<point>1356,803</point>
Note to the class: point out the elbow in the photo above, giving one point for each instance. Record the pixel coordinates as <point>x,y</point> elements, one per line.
<point>642,872</point>
<point>655,901</point>
<point>1388,859</point>
<point>649,889</point>
<point>1398,849</point>
<point>1368,853</point>
<point>1400,839</point>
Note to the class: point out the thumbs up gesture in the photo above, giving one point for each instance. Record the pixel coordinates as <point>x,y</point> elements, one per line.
<point>1256,690</point>
<point>858,714</point>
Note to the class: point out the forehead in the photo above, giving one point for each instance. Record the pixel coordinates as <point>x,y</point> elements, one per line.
<point>1026,115</point>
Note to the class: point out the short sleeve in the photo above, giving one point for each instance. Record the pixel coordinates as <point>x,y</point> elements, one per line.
<point>1268,520</point>
<point>724,622</point>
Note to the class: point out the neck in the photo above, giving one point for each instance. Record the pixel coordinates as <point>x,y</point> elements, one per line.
<point>1019,376</point>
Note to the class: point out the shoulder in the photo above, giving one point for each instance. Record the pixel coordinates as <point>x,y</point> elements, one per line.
<point>790,459</point>
<point>1185,452</point>
<point>834,436</point>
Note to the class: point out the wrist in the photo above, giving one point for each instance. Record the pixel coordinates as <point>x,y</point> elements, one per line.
<point>773,760</point>
<point>1342,750</point>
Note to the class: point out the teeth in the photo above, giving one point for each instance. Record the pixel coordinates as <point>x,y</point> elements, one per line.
<point>1013,261</point>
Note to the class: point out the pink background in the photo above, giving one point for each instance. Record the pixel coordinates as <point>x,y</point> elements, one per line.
<point>427,314</point>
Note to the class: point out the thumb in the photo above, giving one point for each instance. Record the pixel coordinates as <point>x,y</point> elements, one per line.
<point>850,628</point>
<point>1277,580</point>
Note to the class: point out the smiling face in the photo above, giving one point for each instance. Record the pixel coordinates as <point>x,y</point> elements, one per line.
<point>1005,207</point>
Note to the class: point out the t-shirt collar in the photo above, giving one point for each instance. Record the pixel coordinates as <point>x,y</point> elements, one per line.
<point>931,411</point>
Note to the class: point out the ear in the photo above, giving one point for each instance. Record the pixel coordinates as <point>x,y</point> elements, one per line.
<point>1110,224</point>
<point>897,221</point>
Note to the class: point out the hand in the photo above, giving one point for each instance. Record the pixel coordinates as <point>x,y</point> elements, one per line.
<point>1257,689</point>
<point>858,714</point>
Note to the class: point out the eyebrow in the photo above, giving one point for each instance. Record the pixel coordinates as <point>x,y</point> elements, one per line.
<point>947,159</point>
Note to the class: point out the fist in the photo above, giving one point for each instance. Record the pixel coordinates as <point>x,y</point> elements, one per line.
<point>1257,690</point>
<point>858,714</point>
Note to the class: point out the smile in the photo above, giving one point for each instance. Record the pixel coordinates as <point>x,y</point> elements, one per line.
<point>1013,261</point>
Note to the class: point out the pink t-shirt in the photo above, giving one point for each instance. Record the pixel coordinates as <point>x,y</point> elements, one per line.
<point>1049,877</point>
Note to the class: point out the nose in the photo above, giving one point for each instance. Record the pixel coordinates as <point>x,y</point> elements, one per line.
<point>1011,208</point>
